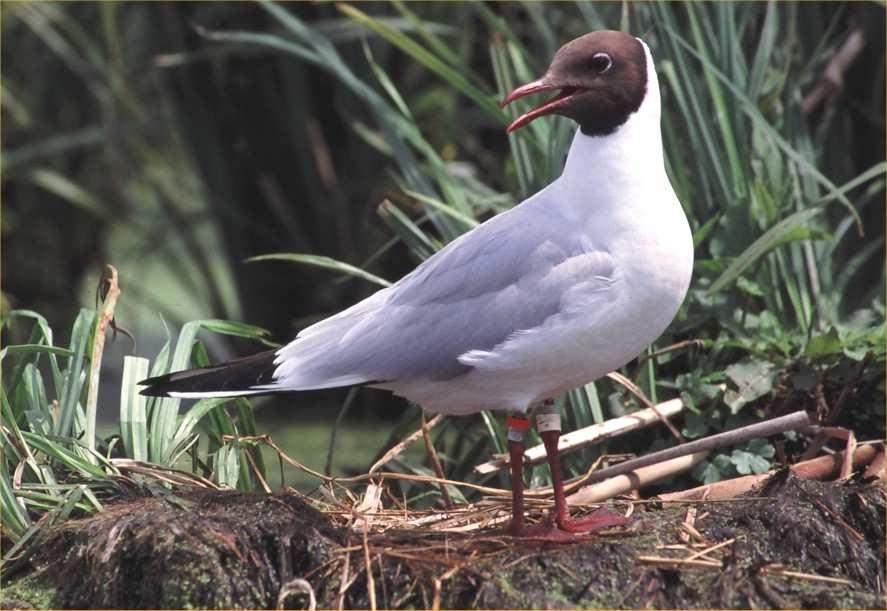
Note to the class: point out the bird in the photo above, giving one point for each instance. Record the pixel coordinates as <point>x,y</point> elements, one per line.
<point>561,289</point>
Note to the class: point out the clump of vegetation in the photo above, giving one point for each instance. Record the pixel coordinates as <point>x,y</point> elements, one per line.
<point>54,465</point>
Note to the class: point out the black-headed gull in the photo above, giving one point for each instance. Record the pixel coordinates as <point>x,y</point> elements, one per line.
<point>563,288</point>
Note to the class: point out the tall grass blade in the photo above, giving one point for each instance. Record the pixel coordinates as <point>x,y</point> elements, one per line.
<point>75,375</point>
<point>324,262</point>
<point>426,58</point>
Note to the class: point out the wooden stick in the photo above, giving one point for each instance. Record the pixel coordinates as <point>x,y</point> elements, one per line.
<point>820,468</point>
<point>793,421</point>
<point>634,480</point>
<point>588,435</point>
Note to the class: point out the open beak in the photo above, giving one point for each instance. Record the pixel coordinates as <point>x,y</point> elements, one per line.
<point>545,108</point>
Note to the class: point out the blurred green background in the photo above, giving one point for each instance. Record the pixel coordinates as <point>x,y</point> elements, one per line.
<point>177,140</point>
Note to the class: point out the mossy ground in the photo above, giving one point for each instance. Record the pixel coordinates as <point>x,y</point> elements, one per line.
<point>234,550</point>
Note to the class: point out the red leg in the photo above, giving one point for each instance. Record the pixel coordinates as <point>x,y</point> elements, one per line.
<point>545,531</point>
<point>562,529</point>
<point>602,518</point>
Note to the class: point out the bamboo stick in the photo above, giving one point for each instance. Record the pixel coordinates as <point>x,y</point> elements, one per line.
<point>633,480</point>
<point>595,433</point>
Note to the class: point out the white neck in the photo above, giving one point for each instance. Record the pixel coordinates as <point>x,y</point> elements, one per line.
<point>635,146</point>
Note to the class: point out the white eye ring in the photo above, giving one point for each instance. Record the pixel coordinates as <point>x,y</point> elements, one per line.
<point>601,62</point>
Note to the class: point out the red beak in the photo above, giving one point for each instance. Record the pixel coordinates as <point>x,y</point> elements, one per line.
<point>546,108</point>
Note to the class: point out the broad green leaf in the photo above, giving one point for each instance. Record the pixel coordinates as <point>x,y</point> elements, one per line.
<point>753,379</point>
<point>707,473</point>
<point>747,462</point>
<point>824,344</point>
<point>695,425</point>
<point>761,447</point>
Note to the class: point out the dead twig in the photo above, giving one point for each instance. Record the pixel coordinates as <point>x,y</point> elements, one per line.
<point>689,520</point>
<point>371,583</point>
<point>256,471</point>
<point>849,451</point>
<point>832,79</point>
<point>710,549</point>
<point>344,581</point>
<point>163,474</point>
<point>637,392</point>
<point>435,461</point>
<point>693,532</point>
<point>779,569</point>
<point>398,449</point>
<point>687,343</point>
<point>106,315</point>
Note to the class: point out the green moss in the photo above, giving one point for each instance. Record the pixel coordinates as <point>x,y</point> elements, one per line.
<point>27,592</point>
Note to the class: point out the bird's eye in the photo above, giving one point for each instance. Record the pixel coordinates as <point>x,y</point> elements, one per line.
<point>601,62</point>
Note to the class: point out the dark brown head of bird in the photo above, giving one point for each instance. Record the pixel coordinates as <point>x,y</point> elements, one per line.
<point>601,79</point>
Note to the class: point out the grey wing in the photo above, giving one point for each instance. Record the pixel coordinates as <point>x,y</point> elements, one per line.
<point>507,275</point>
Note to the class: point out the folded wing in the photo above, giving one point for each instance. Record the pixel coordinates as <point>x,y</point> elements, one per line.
<point>507,276</point>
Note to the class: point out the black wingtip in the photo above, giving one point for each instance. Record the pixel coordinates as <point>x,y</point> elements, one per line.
<point>158,386</point>
<point>239,375</point>
<point>154,386</point>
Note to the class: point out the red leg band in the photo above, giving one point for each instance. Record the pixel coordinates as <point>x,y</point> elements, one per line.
<point>518,423</point>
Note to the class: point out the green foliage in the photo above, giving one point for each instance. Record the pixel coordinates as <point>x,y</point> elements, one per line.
<point>47,465</point>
